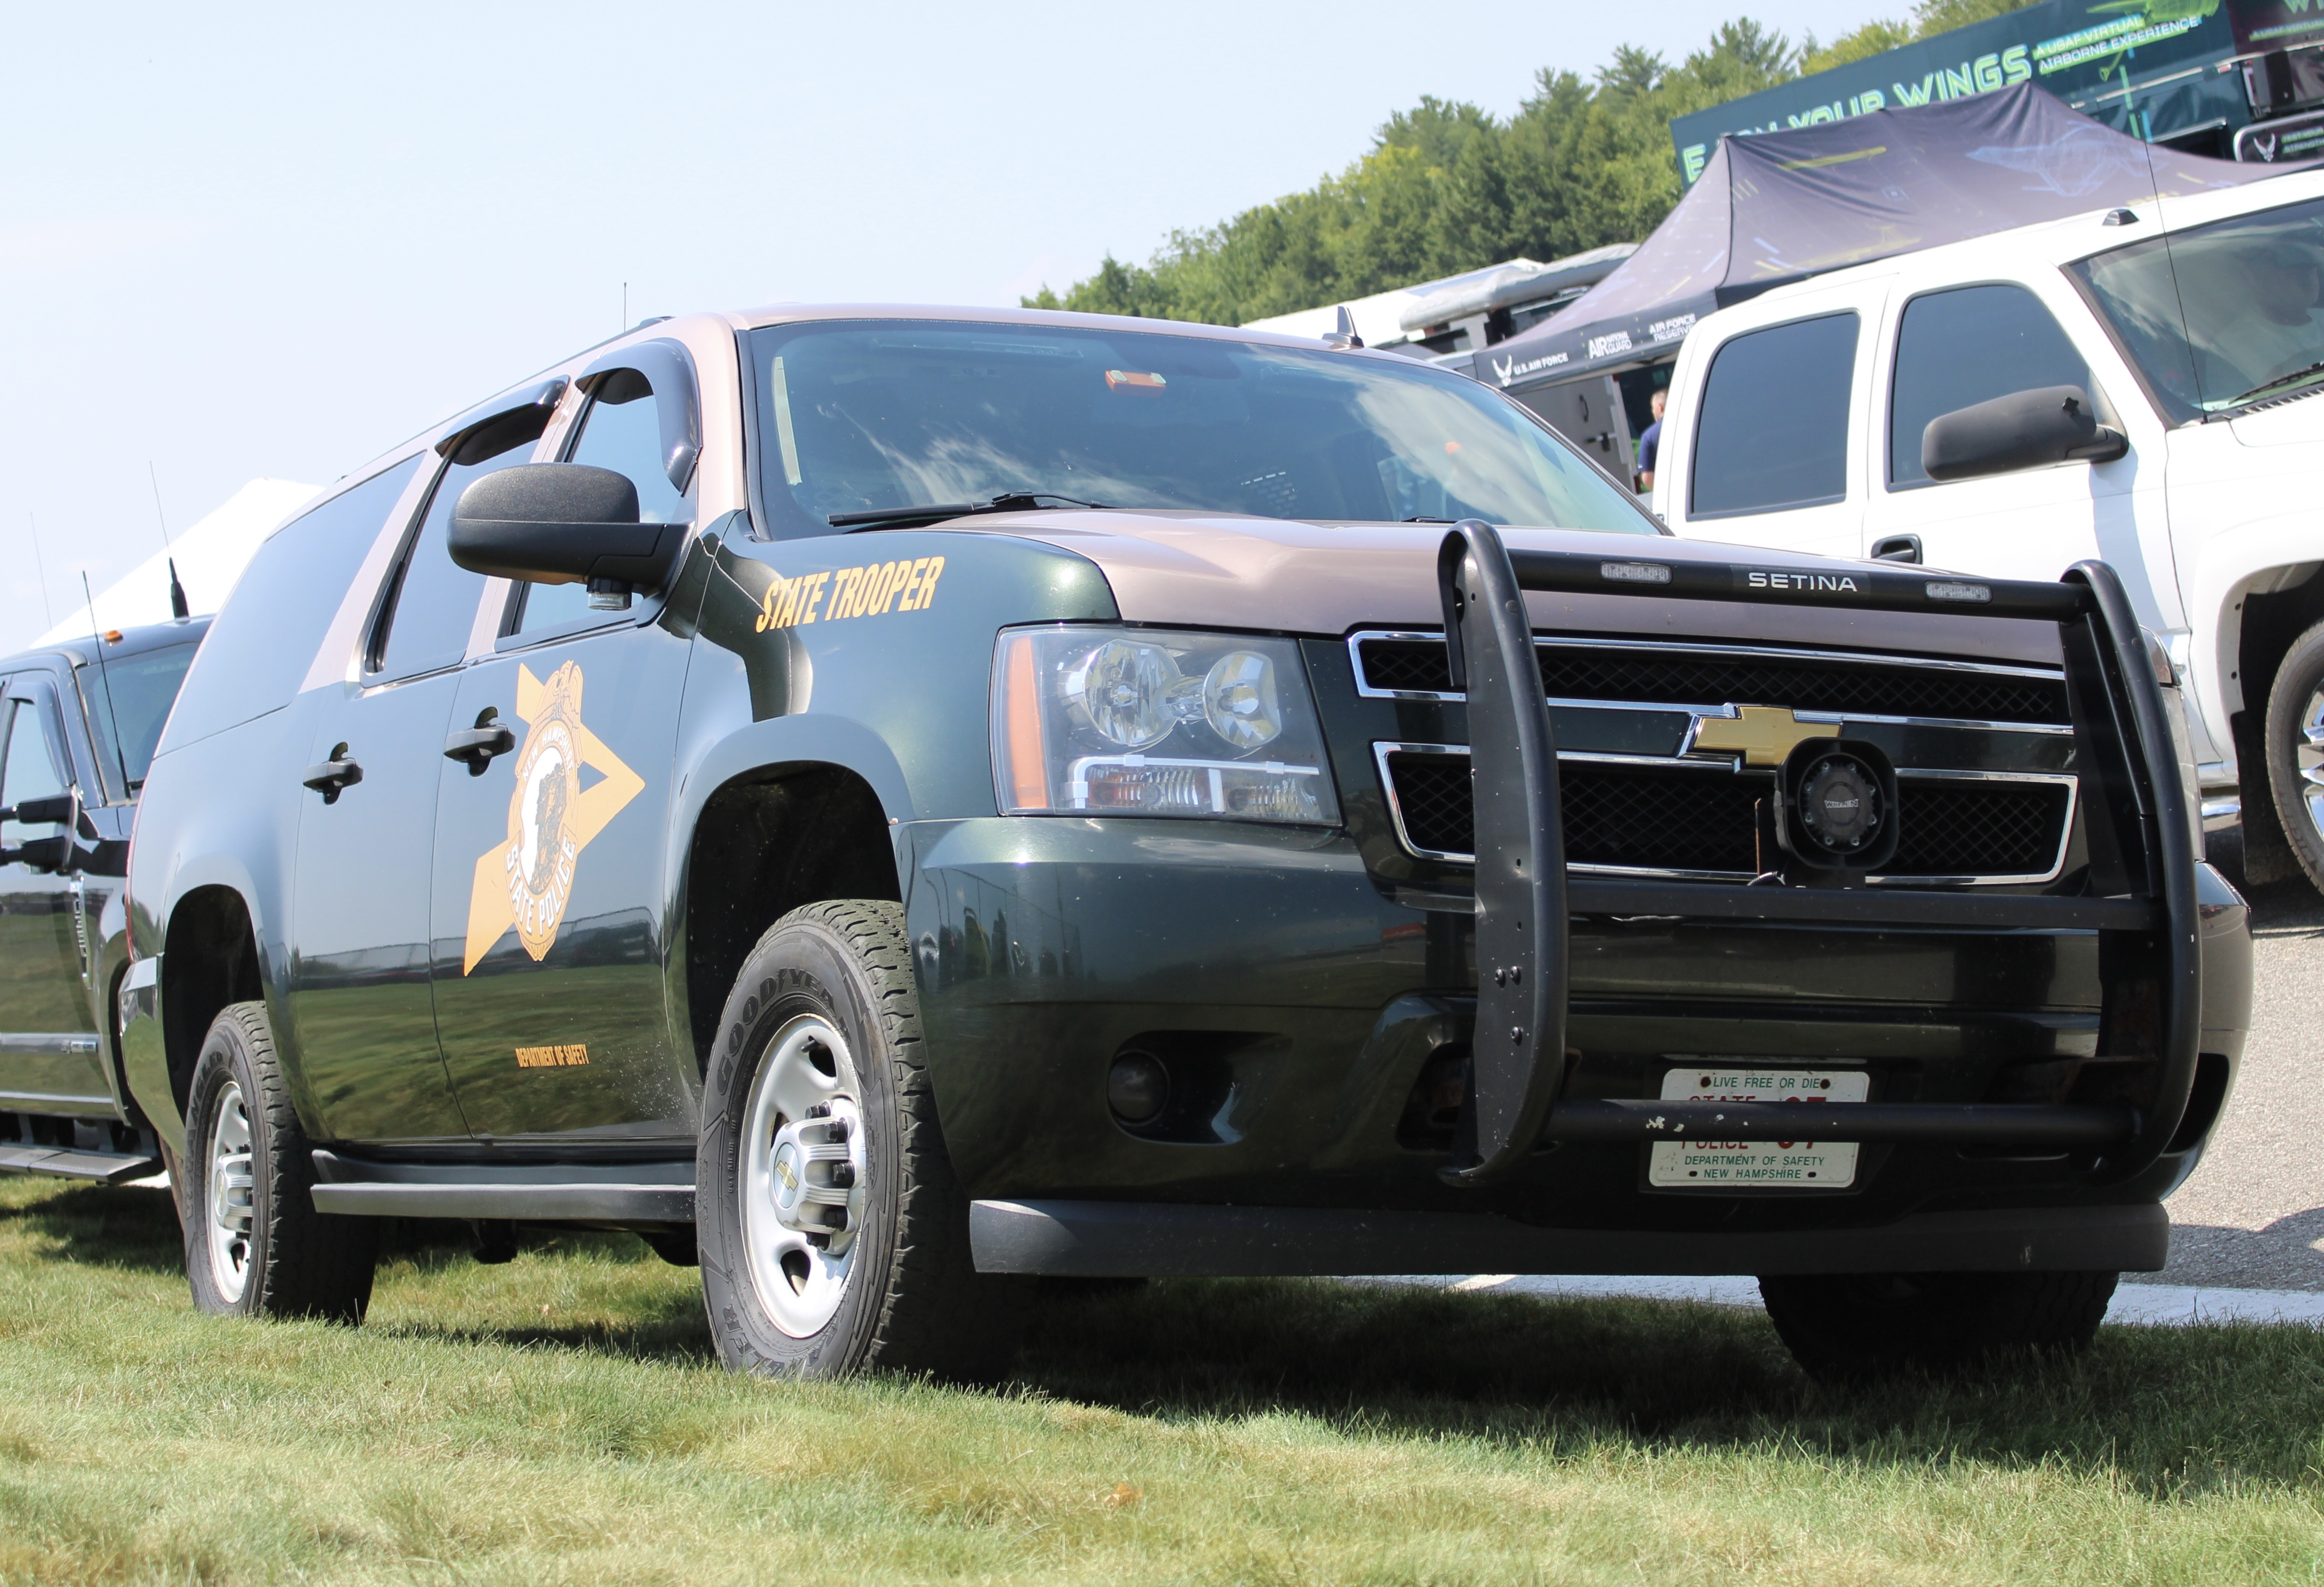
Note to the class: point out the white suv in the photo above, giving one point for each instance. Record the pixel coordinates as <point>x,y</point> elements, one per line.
<point>2193,333</point>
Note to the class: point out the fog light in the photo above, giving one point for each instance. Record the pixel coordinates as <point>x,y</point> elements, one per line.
<point>1138,1088</point>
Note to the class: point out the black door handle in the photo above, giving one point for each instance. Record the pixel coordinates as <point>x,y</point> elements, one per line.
<point>330,778</point>
<point>1897,547</point>
<point>477,745</point>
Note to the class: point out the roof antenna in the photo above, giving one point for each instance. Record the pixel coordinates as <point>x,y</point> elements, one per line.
<point>1343,334</point>
<point>178,608</point>
<point>105,677</point>
<point>40,563</point>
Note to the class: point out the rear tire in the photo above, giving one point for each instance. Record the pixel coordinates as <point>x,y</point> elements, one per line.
<point>256,1246</point>
<point>1848,1327</point>
<point>834,1237</point>
<point>2295,750</point>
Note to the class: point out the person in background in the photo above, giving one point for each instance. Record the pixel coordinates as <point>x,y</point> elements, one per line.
<point>1650,441</point>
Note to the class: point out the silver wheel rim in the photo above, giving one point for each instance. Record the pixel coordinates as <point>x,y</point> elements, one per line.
<point>802,1176</point>
<point>2309,755</point>
<point>231,1206</point>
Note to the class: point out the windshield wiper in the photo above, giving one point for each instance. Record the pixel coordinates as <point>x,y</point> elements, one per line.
<point>1015,501</point>
<point>2282,379</point>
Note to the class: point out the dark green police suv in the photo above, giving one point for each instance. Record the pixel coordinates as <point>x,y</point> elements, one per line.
<point>887,802</point>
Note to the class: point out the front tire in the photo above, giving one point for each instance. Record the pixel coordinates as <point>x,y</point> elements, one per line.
<point>2295,749</point>
<point>834,1237</point>
<point>1852,1327</point>
<point>256,1246</point>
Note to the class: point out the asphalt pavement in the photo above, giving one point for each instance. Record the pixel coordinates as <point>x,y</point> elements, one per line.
<point>2252,1215</point>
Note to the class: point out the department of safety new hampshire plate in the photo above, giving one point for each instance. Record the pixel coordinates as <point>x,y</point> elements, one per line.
<point>1735,1164</point>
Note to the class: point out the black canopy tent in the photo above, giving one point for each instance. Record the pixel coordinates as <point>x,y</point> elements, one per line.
<point>1780,206</point>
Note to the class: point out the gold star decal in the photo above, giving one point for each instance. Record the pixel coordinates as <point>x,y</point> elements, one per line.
<point>1761,735</point>
<point>526,881</point>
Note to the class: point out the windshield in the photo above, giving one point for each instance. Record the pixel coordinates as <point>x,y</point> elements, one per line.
<point>859,416</point>
<point>144,688</point>
<point>2216,315</point>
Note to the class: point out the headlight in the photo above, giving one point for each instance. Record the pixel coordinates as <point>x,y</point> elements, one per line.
<point>1138,722</point>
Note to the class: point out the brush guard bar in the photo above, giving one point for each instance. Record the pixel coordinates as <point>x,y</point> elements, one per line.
<point>2140,897</point>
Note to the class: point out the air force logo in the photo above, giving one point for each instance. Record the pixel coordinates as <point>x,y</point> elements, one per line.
<point>526,881</point>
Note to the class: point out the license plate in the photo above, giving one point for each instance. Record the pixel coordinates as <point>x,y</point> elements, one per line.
<point>1750,1164</point>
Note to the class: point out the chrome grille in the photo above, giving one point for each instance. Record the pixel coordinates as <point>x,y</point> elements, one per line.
<point>1977,829</point>
<point>1678,818</point>
<point>1713,676</point>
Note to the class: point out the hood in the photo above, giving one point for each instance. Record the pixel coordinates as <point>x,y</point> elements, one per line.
<point>1298,576</point>
<point>2287,423</point>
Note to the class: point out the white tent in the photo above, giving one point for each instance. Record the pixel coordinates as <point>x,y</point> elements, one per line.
<point>211,557</point>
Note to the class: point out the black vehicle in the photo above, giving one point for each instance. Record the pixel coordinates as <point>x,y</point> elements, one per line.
<point>884,802</point>
<point>79,722</point>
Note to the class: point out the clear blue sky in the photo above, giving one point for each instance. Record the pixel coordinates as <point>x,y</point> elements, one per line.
<point>242,240</point>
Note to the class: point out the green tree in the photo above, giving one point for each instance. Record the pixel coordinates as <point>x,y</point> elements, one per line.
<point>1941,16</point>
<point>1448,186</point>
<point>1870,39</point>
<point>1929,18</point>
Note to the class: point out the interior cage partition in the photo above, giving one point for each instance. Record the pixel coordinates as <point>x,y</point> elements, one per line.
<point>2139,896</point>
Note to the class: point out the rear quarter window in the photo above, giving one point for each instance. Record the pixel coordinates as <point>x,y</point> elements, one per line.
<point>125,700</point>
<point>1773,432</point>
<point>258,650</point>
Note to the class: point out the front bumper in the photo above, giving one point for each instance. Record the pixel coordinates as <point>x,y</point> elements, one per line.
<point>2024,1054</point>
<point>1047,944</point>
<point>1129,1239</point>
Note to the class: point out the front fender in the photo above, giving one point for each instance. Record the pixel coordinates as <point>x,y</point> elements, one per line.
<point>2258,556</point>
<point>112,958</point>
<point>892,686</point>
<point>809,739</point>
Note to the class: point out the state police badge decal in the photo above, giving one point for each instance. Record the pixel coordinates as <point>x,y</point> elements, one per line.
<point>526,881</point>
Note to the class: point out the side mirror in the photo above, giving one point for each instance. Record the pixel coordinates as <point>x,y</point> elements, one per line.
<point>58,853</point>
<point>57,810</point>
<point>2025,430</point>
<point>563,523</point>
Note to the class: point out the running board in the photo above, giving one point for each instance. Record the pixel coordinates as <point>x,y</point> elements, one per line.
<point>64,1162</point>
<point>545,1193</point>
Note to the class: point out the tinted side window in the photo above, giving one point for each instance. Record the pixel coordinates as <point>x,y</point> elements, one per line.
<point>258,650</point>
<point>1774,429</point>
<point>621,430</point>
<point>431,600</point>
<point>1967,346</point>
<point>30,771</point>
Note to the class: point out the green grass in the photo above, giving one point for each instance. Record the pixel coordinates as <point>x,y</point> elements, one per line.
<point>558,1419</point>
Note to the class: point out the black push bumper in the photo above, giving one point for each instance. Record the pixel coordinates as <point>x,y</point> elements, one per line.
<point>2140,898</point>
<point>1134,1239</point>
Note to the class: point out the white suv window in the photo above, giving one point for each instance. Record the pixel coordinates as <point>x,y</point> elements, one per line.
<point>1966,345</point>
<point>1772,434</point>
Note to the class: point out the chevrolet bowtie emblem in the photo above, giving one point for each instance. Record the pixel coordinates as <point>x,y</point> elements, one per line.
<point>1761,735</point>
